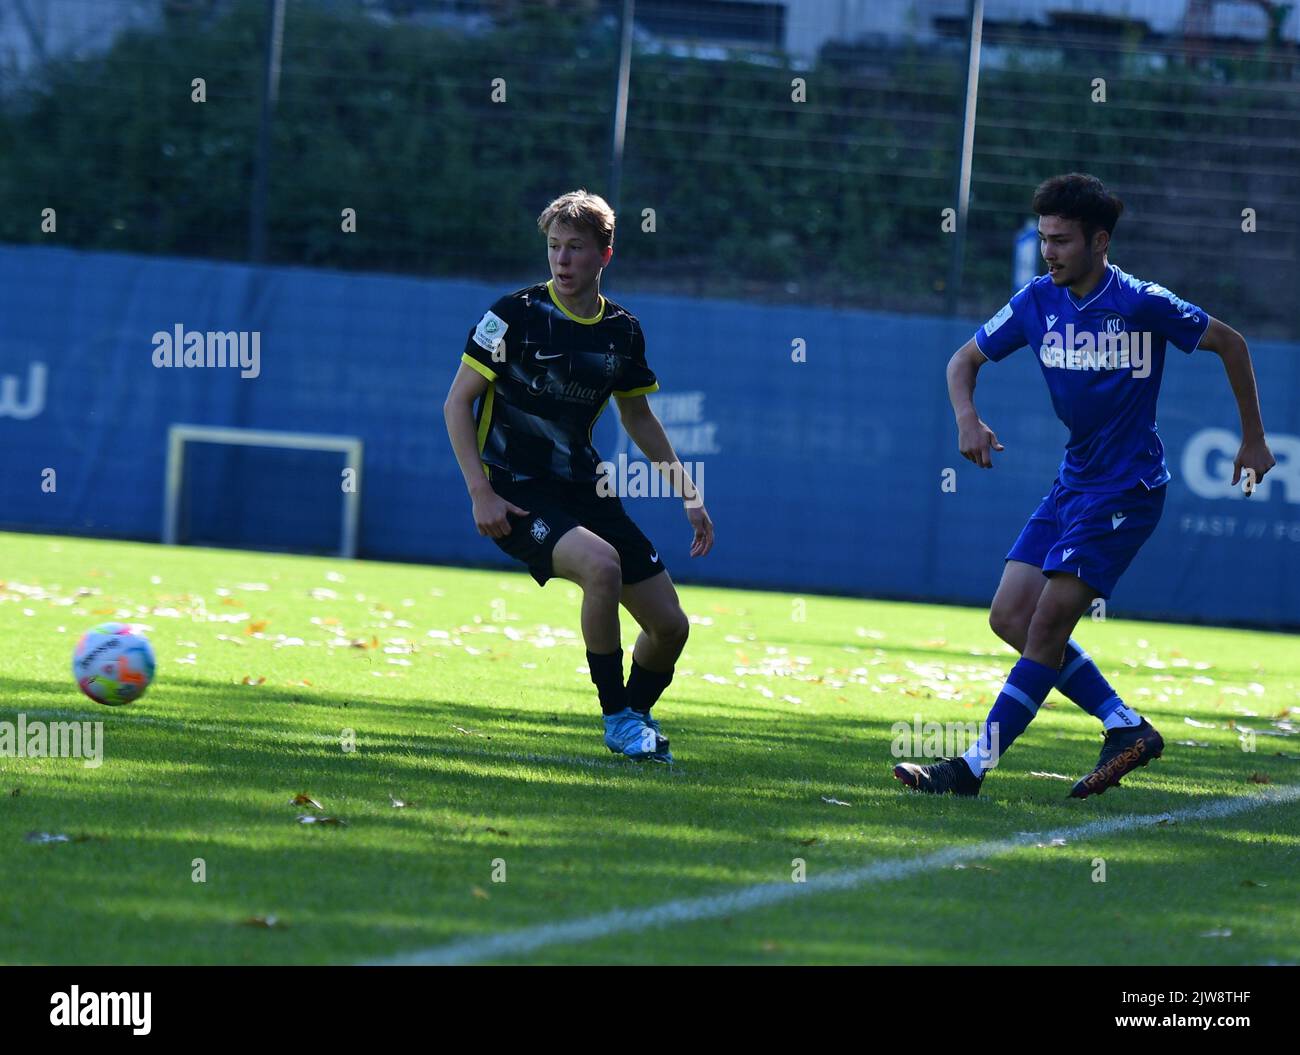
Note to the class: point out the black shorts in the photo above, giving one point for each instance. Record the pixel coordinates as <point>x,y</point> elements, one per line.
<point>555,507</point>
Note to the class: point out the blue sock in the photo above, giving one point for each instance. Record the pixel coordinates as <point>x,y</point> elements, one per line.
<point>1027,686</point>
<point>1085,685</point>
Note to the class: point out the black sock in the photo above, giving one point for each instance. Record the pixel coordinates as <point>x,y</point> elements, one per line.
<point>607,674</point>
<point>644,687</point>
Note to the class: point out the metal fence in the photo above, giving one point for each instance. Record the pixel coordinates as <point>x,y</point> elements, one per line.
<point>799,152</point>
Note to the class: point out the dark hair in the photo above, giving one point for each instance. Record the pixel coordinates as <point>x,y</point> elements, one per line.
<point>1078,196</point>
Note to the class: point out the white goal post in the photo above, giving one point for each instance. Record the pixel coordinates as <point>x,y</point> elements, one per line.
<point>179,435</point>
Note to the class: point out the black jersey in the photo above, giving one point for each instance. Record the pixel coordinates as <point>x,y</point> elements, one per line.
<point>551,374</point>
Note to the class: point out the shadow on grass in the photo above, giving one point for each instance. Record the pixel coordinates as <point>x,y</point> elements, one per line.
<point>582,830</point>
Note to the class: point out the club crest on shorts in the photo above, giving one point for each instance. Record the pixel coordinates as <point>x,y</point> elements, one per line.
<point>540,529</point>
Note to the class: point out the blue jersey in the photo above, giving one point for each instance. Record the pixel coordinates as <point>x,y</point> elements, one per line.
<point>1102,357</point>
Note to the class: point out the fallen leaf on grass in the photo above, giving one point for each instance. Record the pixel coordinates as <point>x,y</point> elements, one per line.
<point>835,802</point>
<point>303,799</point>
<point>255,626</point>
<point>480,893</point>
<point>47,837</point>
<point>250,680</point>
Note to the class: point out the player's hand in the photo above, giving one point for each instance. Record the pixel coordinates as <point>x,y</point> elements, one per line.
<point>1254,459</point>
<point>490,511</point>
<point>699,518</point>
<point>977,441</point>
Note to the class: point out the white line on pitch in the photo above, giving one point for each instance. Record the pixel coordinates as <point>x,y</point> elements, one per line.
<point>747,899</point>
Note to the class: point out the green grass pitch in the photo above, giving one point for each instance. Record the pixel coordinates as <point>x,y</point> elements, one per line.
<point>468,699</point>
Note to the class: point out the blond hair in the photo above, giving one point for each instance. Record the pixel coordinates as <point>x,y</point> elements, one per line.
<point>580,209</point>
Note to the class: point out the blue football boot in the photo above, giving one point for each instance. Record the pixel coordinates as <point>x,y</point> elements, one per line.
<point>663,754</point>
<point>626,733</point>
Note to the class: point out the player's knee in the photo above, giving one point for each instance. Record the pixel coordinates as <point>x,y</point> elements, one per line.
<point>1009,624</point>
<point>671,631</point>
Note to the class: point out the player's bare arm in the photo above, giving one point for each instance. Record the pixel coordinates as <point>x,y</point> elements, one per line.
<point>1253,455</point>
<point>647,432</point>
<point>975,440</point>
<point>490,508</point>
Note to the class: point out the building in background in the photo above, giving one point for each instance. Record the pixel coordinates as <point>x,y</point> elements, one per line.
<point>804,27</point>
<point>32,32</point>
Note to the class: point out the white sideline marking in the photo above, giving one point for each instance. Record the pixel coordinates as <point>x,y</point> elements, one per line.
<point>747,899</point>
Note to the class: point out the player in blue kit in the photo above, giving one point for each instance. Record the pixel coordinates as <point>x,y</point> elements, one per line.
<point>1101,336</point>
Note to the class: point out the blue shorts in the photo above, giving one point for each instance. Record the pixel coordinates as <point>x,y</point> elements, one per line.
<point>1092,535</point>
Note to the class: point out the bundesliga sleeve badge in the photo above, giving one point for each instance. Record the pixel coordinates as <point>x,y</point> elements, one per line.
<point>490,332</point>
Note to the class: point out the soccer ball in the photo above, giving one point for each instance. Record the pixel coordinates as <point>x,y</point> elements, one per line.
<point>113,663</point>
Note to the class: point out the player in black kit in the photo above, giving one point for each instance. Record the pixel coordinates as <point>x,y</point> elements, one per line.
<point>541,365</point>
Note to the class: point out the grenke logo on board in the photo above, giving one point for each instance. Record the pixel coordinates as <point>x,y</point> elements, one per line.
<point>1207,466</point>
